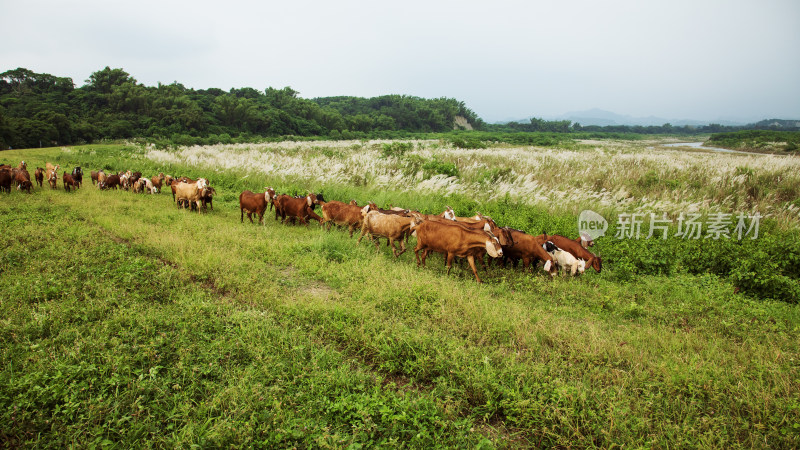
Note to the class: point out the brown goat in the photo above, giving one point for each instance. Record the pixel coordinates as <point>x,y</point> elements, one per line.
<point>342,215</point>
<point>6,177</point>
<point>253,203</point>
<point>292,208</point>
<point>69,182</point>
<point>38,174</point>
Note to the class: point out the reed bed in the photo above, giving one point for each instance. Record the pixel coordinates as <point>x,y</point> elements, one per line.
<point>603,175</point>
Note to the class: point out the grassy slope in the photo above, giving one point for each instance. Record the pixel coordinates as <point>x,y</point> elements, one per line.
<point>124,317</point>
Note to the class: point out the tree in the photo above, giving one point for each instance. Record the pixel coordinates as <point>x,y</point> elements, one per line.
<point>21,81</point>
<point>280,98</point>
<point>104,80</point>
<point>112,104</point>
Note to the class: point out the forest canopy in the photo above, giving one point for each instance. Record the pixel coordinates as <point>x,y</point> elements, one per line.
<point>41,109</point>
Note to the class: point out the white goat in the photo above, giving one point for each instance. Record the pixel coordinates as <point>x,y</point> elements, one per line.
<point>565,260</point>
<point>148,185</point>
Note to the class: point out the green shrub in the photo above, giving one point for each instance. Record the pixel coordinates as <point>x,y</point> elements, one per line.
<point>755,139</point>
<point>396,149</point>
<point>467,143</point>
<point>436,167</point>
<point>767,267</point>
<point>648,180</point>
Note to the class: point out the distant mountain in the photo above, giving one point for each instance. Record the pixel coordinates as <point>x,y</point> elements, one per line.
<point>603,118</point>
<point>600,117</point>
<point>779,124</point>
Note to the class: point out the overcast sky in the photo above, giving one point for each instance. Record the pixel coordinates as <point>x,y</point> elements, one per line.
<point>678,59</point>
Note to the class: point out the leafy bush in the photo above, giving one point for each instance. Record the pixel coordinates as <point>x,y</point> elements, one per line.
<point>459,142</point>
<point>436,167</point>
<point>767,267</point>
<point>396,149</point>
<point>755,139</point>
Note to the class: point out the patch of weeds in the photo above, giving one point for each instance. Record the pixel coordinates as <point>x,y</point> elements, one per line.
<point>331,153</point>
<point>648,180</point>
<point>494,175</point>
<point>396,149</point>
<point>632,310</point>
<point>333,248</point>
<point>437,167</point>
<point>413,164</point>
<point>467,143</point>
<point>746,171</point>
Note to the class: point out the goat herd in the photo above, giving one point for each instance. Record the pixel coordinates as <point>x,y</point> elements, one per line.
<point>445,233</point>
<point>20,177</point>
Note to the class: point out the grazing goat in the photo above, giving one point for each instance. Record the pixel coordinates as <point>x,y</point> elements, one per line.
<point>207,198</point>
<point>392,227</point>
<point>5,180</point>
<point>157,181</point>
<point>111,181</point>
<point>77,175</point>
<point>452,240</point>
<point>252,203</point>
<point>149,186</point>
<point>23,179</point>
<point>565,260</point>
<point>270,195</point>
<point>70,182</point>
<point>585,240</point>
<point>527,248</point>
<point>449,214</point>
<point>577,251</point>
<point>292,208</point>
<point>38,174</point>
<point>190,193</point>
<point>51,174</point>
<point>338,213</point>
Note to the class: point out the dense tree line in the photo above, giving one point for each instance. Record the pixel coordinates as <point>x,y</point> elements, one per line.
<point>401,112</point>
<point>758,139</point>
<point>42,110</point>
<point>38,109</point>
<point>565,126</point>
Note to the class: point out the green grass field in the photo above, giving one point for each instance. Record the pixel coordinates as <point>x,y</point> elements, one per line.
<point>127,322</point>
